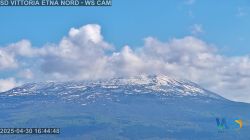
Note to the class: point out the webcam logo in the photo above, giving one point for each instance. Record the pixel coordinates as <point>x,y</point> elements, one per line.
<point>223,123</point>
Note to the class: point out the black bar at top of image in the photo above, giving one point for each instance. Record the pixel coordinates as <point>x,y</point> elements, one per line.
<point>55,3</point>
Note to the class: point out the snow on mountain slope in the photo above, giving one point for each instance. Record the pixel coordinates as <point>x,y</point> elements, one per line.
<point>160,85</point>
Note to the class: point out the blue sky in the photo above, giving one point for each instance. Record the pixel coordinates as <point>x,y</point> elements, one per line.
<point>225,23</point>
<point>204,41</point>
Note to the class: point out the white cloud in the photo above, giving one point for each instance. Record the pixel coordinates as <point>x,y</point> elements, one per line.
<point>84,54</point>
<point>7,61</point>
<point>80,55</point>
<point>126,63</point>
<point>7,84</point>
<point>91,32</point>
<point>26,74</point>
<point>22,48</point>
<point>192,59</point>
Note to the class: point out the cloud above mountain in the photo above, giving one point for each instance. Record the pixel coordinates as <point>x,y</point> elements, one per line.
<point>84,54</point>
<point>6,84</point>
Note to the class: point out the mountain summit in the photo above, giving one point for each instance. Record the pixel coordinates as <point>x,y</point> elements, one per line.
<point>160,85</point>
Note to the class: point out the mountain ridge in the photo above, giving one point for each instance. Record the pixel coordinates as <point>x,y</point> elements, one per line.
<point>157,83</point>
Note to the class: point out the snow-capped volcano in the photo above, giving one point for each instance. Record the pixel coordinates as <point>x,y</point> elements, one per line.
<point>160,85</point>
<point>154,107</point>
